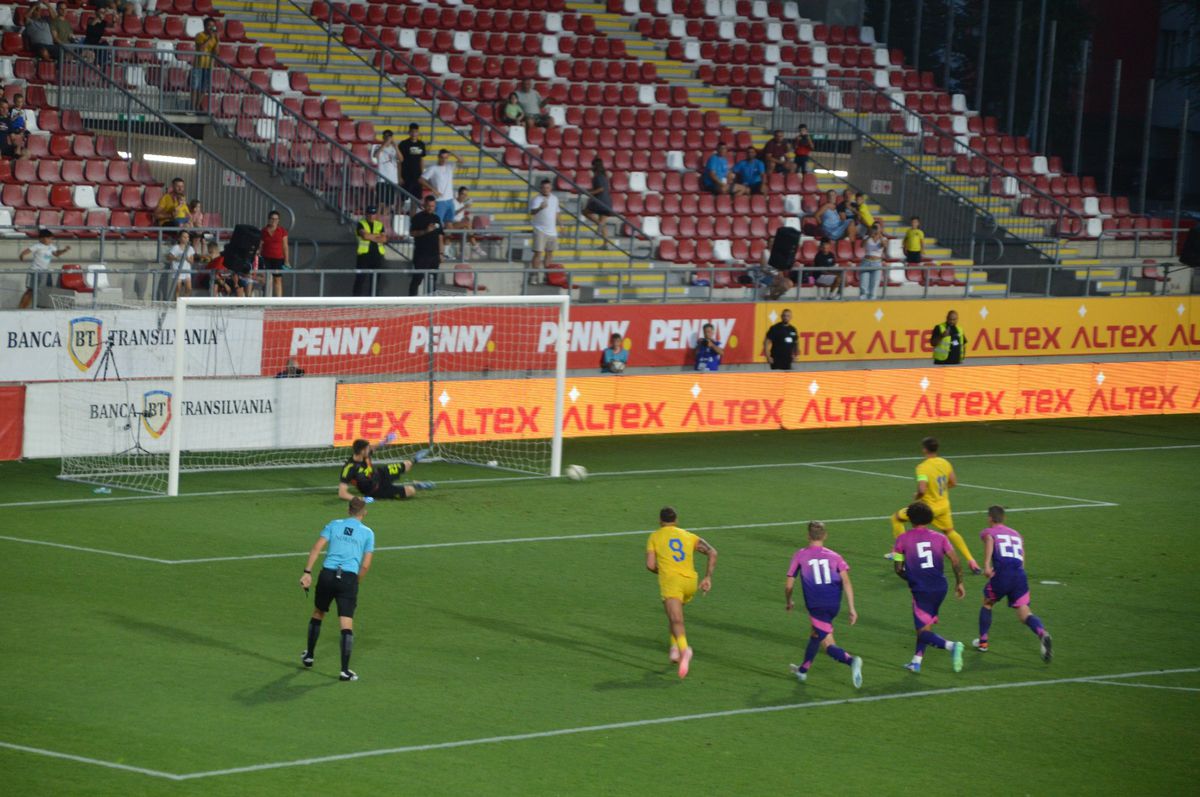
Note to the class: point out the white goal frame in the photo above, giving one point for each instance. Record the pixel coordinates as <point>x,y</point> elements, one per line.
<point>563,302</point>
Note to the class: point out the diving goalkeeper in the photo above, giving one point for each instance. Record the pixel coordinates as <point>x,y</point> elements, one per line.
<point>378,482</point>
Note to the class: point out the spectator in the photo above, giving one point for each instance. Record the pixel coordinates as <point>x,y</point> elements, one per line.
<point>13,135</point>
<point>42,254</point>
<point>274,251</point>
<point>291,371</point>
<point>386,157</point>
<point>599,206</point>
<point>221,281</point>
<point>371,240</point>
<point>207,43</point>
<point>834,226</point>
<point>60,26</point>
<point>804,148</point>
<point>439,181</point>
<point>847,209</point>
<point>615,357</point>
<point>949,342</point>
<point>462,221</point>
<point>543,209</point>
<point>533,106</point>
<point>142,8</point>
<point>195,217</point>
<point>97,27</point>
<point>774,282</point>
<point>825,271</point>
<point>716,172</point>
<point>39,37</point>
<point>412,153</point>
<point>777,155</point>
<point>871,268</point>
<point>180,260</point>
<point>708,350</point>
<point>511,112</point>
<point>781,345</point>
<point>748,175</point>
<point>914,242</point>
<point>427,231</point>
<point>863,211</point>
<point>172,209</point>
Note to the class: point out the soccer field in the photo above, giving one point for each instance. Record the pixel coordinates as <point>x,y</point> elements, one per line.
<point>510,641</point>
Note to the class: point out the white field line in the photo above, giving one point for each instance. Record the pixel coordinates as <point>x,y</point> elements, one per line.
<point>963,484</point>
<point>518,540</point>
<point>1148,686</point>
<point>612,726</point>
<point>705,469</point>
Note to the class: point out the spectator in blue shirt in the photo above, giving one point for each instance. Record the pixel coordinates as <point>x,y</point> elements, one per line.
<point>708,350</point>
<point>615,357</point>
<point>716,172</point>
<point>748,174</point>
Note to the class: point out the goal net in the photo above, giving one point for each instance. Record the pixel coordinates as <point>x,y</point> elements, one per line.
<point>292,382</point>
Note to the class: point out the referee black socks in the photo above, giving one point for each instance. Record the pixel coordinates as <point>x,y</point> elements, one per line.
<point>347,647</point>
<point>314,631</point>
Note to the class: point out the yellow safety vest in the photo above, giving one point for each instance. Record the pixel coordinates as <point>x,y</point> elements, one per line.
<point>941,352</point>
<point>374,227</point>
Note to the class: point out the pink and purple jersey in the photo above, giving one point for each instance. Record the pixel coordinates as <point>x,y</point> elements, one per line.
<point>923,550</point>
<point>1008,553</point>
<point>820,572</point>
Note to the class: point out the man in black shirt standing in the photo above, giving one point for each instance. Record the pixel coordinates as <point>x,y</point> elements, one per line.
<point>426,230</point>
<point>781,345</point>
<point>378,481</point>
<point>412,151</point>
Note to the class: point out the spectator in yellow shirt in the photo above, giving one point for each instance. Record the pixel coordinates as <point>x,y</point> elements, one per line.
<point>914,242</point>
<point>207,42</point>
<point>172,209</point>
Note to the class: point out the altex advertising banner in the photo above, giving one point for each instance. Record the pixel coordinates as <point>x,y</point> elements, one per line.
<point>476,410</point>
<point>1000,328</point>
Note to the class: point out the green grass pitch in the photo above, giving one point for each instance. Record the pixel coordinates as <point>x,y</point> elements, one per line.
<point>546,659</point>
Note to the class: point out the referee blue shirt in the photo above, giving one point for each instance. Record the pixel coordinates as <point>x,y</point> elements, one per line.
<point>349,541</point>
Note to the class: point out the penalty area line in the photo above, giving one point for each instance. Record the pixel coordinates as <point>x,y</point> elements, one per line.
<point>79,759</point>
<point>614,726</point>
<point>518,540</point>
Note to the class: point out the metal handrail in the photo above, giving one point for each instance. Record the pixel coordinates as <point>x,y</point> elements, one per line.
<point>635,231</point>
<point>109,84</point>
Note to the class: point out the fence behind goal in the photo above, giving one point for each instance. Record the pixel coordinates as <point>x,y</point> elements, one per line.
<point>282,383</point>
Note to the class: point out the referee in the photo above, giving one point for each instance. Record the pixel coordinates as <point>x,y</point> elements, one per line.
<point>351,547</point>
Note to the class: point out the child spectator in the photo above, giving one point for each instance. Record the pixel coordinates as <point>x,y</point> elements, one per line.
<point>804,148</point>
<point>180,260</point>
<point>14,132</point>
<point>195,218</point>
<point>462,221</point>
<point>42,254</point>
<point>914,242</point>
<point>615,358</point>
<point>825,271</point>
<point>511,113</point>
<point>708,350</point>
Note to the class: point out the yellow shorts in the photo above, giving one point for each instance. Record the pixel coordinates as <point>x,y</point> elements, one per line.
<point>682,588</point>
<point>941,519</point>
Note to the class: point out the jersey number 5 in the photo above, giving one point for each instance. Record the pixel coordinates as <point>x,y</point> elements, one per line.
<point>676,545</point>
<point>926,555</point>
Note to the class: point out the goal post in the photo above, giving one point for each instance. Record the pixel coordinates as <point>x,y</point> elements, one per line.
<point>432,371</point>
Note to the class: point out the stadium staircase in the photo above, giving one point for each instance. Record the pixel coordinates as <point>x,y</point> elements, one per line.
<point>742,46</point>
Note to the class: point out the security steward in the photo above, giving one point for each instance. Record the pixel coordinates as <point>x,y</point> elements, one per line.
<point>949,342</point>
<point>371,240</point>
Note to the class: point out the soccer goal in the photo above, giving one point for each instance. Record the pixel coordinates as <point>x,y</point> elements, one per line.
<point>292,382</point>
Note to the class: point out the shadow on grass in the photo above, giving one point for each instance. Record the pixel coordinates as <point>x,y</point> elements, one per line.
<point>182,636</point>
<point>283,688</point>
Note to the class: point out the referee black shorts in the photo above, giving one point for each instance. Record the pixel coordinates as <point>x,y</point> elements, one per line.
<point>336,585</point>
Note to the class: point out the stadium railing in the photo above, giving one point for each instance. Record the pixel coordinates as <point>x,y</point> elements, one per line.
<point>144,130</point>
<point>864,106</point>
<point>723,284</point>
<point>533,167</point>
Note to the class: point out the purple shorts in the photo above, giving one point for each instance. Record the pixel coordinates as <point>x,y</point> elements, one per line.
<point>1013,586</point>
<point>925,606</point>
<point>822,618</point>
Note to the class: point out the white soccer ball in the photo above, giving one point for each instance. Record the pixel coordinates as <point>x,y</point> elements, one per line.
<point>616,366</point>
<point>576,473</point>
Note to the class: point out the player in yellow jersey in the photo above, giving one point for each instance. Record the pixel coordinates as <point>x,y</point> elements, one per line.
<point>669,554</point>
<point>935,477</point>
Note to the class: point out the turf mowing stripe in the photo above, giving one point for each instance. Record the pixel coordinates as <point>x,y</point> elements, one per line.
<point>85,760</point>
<point>713,468</point>
<point>518,737</point>
<point>1149,686</point>
<point>87,550</point>
<point>515,540</point>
